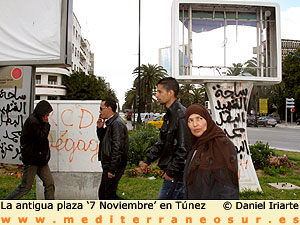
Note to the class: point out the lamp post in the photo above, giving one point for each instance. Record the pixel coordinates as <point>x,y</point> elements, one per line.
<point>293,53</point>
<point>289,103</point>
<point>139,74</point>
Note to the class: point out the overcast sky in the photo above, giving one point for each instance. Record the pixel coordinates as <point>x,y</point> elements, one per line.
<point>112,30</point>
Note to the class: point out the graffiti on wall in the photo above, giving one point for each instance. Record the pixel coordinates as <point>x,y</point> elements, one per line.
<point>72,133</point>
<point>230,105</point>
<point>12,113</point>
<point>15,97</point>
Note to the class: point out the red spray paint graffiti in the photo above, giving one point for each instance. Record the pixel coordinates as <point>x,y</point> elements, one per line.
<point>74,144</point>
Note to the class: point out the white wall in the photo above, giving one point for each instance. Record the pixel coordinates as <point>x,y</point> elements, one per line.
<point>73,140</point>
<point>74,150</point>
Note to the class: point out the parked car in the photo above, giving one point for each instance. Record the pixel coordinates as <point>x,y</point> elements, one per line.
<point>124,117</point>
<point>157,122</point>
<point>251,121</point>
<point>266,121</point>
<point>275,116</point>
<point>148,117</point>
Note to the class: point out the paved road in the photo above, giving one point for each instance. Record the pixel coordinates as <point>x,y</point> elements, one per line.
<point>279,137</point>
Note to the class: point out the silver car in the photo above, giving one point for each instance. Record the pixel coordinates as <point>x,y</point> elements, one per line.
<point>266,121</point>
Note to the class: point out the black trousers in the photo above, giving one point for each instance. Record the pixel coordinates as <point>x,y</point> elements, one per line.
<point>108,186</point>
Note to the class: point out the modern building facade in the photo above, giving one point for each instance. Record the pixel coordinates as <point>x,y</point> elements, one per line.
<point>289,45</point>
<point>48,84</point>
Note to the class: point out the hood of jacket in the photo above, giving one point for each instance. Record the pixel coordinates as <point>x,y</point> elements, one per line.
<point>42,108</point>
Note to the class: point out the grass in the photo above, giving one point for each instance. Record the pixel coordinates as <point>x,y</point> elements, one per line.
<point>291,175</point>
<point>142,188</point>
<point>9,183</point>
<point>134,188</point>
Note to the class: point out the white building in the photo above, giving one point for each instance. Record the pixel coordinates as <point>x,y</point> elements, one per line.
<point>49,79</point>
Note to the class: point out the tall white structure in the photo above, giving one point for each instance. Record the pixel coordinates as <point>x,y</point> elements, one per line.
<point>218,34</point>
<point>49,79</point>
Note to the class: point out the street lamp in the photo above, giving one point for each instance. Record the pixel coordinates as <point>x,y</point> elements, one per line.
<point>290,101</point>
<point>139,74</point>
<point>293,53</point>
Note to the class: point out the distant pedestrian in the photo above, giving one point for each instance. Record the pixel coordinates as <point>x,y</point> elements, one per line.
<point>35,152</point>
<point>211,169</point>
<point>113,148</point>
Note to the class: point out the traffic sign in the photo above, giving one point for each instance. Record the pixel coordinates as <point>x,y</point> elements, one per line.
<point>263,105</point>
<point>290,103</point>
<point>290,106</point>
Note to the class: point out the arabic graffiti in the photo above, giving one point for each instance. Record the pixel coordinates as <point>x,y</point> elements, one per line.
<point>230,104</point>
<point>13,110</point>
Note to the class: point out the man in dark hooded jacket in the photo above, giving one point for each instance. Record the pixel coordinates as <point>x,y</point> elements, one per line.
<point>35,152</point>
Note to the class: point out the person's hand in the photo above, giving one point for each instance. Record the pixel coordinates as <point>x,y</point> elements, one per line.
<point>165,176</point>
<point>143,166</point>
<point>100,122</point>
<point>110,175</point>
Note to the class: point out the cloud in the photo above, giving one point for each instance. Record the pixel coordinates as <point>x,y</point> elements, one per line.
<point>290,23</point>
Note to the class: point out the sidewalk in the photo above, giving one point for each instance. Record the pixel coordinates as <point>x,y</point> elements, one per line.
<point>288,125</point>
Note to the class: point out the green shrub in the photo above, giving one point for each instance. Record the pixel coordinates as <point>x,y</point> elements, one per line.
<point>260,154</point>
<point>275,171</point>
<point>140,142</point>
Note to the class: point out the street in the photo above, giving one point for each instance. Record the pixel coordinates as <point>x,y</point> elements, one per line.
<point>279,137</point>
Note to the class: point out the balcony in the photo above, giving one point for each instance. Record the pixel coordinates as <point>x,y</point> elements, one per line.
<point>52,82</point>
<point>82,42</point>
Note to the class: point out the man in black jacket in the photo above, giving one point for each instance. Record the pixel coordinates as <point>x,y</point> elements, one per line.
<point>173,142</point>
<point>113,148</point>
<point>35,152</point>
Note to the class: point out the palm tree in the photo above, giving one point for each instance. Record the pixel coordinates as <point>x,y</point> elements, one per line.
<point>130,97</point>
<point>251,66</point>
<point>199,95</point>
<point>235,70</point>
<point>186,94</point>
<point>149,77</point>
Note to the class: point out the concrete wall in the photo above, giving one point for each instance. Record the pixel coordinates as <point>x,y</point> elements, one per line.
<point>73,185</point>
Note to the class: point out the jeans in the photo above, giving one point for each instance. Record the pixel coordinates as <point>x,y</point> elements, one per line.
<point>29,173</point>
<point>171,190</point>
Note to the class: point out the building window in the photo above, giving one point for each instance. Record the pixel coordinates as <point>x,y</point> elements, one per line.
<point>38,79</point>
<point>52,80</point>
<point>37,97</point>
<point>51,97</point>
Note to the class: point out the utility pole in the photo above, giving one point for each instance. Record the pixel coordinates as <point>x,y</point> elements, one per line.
<point>289,104</point>
<point>139,75</point>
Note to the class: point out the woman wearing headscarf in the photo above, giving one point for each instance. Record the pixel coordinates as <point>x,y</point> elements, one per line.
<point>211,170</point>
